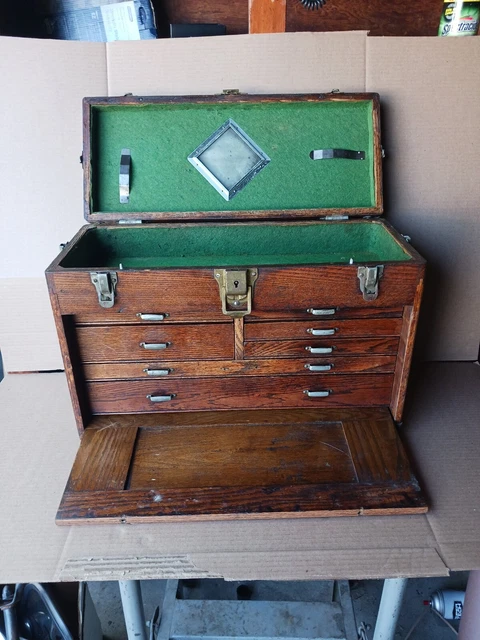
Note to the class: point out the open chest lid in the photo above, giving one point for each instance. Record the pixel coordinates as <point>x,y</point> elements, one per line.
<point>232,156</point>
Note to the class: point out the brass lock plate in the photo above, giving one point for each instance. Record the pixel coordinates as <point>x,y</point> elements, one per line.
<point>236,290</point>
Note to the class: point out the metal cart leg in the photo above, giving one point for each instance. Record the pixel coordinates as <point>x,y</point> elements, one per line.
<point>389,610</point>
<point>131,594</point>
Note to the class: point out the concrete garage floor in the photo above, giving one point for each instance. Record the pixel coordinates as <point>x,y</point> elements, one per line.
<point>365,596</point>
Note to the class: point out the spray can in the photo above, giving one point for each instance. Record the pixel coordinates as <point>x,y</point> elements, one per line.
<point>448,603</point>
<point>459,18</point>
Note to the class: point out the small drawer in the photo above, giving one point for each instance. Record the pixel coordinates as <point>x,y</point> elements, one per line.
<point>318,312</point>
<point>325,328</point>
<point>222,368</point>
<point>274,392</point>
<point>148,343</point>
<point>325,347</point>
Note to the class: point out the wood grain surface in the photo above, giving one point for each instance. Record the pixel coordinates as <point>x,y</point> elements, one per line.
<point>379,17</point>
<point>184,342</point>
<point>299,348</point>
<point>223,368</point>
<point>341,328</point>
<point>267,16</point>
<point>253,392</point>
<point>258,464</point>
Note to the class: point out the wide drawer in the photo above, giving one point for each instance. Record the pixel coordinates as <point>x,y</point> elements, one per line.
<point>320,347</point>
<point>148,343</point>
<point>207,368</point>
<point>147,396</point>
<point>313,328</point>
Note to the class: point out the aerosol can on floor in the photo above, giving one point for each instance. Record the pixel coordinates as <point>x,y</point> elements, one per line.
<point>448,603</point>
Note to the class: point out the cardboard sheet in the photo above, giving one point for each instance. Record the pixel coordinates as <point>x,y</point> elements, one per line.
<point>428,88</point>
<point>41,440</point>
<point>431,135</point>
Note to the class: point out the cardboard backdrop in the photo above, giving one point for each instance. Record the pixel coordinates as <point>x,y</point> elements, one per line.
<point>429,92</point>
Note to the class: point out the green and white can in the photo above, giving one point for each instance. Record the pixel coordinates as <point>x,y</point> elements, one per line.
<point>459,18</point>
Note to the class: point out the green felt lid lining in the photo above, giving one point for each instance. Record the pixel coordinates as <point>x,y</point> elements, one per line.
<point>161,135</point>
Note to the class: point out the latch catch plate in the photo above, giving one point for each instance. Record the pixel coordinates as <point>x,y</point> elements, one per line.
<point>369,277</point>
<point>105,284</point>
<point>236,290</point>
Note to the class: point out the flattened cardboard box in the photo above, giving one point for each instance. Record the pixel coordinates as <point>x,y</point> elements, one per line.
<point>427,199</point>
<point>442,434</point>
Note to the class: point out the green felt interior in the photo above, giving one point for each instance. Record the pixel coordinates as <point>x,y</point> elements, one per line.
<point>161,136</point>
<point>235,245</point>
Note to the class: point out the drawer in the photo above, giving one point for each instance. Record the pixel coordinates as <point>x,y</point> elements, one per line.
<point>314,328</point>
<point>208,368</point>
<point>320,347</point>
<point>147,343</point>
<point>147,396</point>
<point>317,311</point>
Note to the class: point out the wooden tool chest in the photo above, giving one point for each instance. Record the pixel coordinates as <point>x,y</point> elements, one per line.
<point>236,323</point>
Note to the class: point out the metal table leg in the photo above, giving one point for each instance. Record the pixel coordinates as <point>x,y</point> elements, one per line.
<point>132,603</point>
<point>389,610</point>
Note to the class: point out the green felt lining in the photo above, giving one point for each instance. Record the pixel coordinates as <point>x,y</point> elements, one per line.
<point>161,136</point>
<point>235,245</point>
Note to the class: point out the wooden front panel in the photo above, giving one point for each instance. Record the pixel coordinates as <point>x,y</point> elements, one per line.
<point>306,330</point>
<point>184,342</point>
<point>193,294</point>
<point>299,348</point>
<point>239,393</point>
<point>222,368</point>
<point>240,464</point>
<point>297,289</point>
<point>232,457</point>
<point>185,294</point>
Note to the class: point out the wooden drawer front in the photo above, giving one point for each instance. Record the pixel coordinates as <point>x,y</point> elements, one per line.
<point>296,289</point>
<point>183,294</point>
<point>207,368</point>
<point>329,347</point>
<point>239,393</point>
<point>183,342</point>
<point>318,312</point>
<point>314,328</point>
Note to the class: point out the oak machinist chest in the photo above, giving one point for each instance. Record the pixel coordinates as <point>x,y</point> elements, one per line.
<point>236,321</point>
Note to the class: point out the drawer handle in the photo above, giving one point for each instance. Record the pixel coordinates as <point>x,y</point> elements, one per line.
<point>319,367</point>
<point>152,346</point>
<point>321,312</point>
<point>171,396</point>
<point>317,394</point>
<point>152,316</point>
<point>157,372</point>
<point>319,349</point>
<point>322,332</point>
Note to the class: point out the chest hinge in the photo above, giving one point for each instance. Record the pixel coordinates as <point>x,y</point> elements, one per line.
<point>336,217</point>
<point>129,221</point>
<point>105,284</point>
<point>369,277</point>
<point>236,290</point>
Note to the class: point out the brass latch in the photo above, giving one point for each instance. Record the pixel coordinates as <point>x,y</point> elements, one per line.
<point>369,277</point>
<point>236,290</point>
<point>105,284</point>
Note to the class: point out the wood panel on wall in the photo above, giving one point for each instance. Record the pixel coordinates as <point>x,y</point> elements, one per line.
<point>379,17</point>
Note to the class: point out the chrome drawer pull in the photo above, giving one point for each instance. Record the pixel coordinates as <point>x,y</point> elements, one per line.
<point>161,398</point>
<point>152,316</point>
<point>319,349</point>
<point>321,312</point>
<point>322,332</point>
<point>154,346</point>
<point>157,372</point>
<point>319,367</point>
<point>317,394</point>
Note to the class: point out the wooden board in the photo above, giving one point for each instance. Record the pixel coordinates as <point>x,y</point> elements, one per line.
<point>242,464</point>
